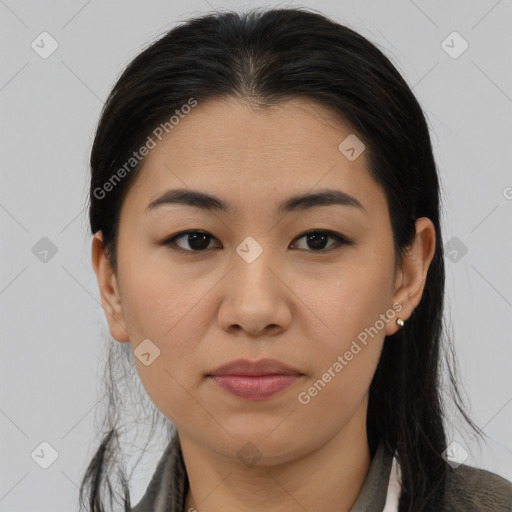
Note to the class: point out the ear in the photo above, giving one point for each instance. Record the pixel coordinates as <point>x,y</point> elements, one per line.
<point>109,290</point>
<point>411,277</point>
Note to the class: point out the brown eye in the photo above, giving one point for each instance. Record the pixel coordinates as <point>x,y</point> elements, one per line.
<point>193,241</point>
<point>318,239</point>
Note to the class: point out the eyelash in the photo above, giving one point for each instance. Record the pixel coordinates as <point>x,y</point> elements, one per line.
<point>340,241</point>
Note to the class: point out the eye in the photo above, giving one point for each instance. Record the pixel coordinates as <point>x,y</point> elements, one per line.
<point>318,238</point>
<point>198,241</point>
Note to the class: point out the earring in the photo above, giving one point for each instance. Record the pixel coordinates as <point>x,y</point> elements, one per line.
<point>400,321</point>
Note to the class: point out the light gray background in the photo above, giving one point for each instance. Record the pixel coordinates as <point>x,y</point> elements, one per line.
<point>51,320</point>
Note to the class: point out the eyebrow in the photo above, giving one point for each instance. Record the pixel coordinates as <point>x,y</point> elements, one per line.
<point>207,202</point>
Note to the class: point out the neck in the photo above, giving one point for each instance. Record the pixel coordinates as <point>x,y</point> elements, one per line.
<point>328,478</point>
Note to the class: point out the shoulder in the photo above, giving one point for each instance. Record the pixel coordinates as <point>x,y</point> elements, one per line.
<point>476,490</point>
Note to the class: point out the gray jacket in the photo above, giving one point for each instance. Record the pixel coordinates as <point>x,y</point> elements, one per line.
<point>468,489</point>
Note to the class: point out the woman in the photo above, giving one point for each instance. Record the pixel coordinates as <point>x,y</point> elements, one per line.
<point>267,242</point>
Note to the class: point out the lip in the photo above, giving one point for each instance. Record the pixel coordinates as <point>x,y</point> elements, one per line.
<point>255,380</point>
<point>245,367</point>
<point>259,387</point>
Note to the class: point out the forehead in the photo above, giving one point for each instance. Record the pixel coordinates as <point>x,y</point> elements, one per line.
<point>233,150</point>
<point>229,130</point>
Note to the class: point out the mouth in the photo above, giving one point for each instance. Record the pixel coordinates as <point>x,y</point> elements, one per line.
<point>255,380</point>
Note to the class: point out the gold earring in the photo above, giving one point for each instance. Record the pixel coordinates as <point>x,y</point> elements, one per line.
<point>400,321</point>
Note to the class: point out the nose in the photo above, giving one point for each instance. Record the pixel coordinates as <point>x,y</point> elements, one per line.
<point>255,298</point>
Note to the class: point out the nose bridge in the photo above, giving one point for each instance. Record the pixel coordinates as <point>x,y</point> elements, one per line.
<point>252,260</point>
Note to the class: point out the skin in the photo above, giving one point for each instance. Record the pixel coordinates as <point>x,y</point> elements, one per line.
<point>293,304</point>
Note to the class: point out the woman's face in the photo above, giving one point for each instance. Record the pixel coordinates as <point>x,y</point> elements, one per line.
<point>256,287</point>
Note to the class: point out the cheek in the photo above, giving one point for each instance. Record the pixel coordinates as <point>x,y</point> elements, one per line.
<point>352,304</point>
<point>157,296</point>
<point>347,352</point>
<point>165,382</point>
<point>348,301</point>
<point>174,321</point>
<point>172,310</point>
<point>173,326</point>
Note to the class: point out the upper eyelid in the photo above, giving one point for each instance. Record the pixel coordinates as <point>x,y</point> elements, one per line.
<point>304,233</point>
<point>340,238</point>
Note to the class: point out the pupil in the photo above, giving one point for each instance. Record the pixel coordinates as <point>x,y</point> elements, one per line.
<point>316,237</point>
<point>194,237</point>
